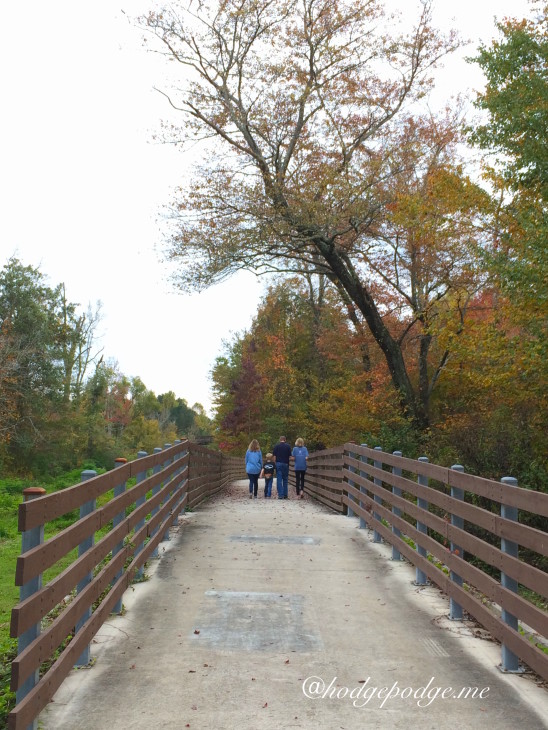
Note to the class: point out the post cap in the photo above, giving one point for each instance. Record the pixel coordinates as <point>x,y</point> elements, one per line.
<point>120,460</point>
<point>33,492</point>
<point>510,481</point>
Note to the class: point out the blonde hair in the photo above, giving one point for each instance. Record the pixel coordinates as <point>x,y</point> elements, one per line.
<point>269,456</point>
<point>299,442</point>
<point>254,446</point>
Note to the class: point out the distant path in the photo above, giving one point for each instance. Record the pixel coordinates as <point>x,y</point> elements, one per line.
<point>253,597</point>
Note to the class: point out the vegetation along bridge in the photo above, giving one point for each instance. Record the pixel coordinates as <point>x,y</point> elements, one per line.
<point>479,542</point>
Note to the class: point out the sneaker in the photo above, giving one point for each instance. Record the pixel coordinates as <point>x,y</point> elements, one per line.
<point>250,496</point>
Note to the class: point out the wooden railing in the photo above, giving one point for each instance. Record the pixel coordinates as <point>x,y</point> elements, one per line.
<point>429,514</point>
<point>324,477</point>
<point>132,522</point>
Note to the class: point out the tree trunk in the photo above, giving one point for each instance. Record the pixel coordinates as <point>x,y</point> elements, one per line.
<point>359,294</point>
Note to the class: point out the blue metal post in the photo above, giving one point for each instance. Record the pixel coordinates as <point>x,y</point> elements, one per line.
<point>455,609</point>
<point>351,482</point>
<point>350,512</point>
<point>185,480</point>
<point>116,520</point>
<point>176,473</point>
<point>167,462</point>
<point>363,490</point>
<point>174,482</point>
<point>420,576</point>
<point>141,476</point>
<point>155,491</point>
<point>510,661</point>
<point>396,510</point>
<point>30,539</point>
<point>85,510</point>
<point>378,464</point>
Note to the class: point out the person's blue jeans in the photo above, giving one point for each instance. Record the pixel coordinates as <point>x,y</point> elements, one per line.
<point>268,487</point>
<point>253,483</point>
<point>282,479</point>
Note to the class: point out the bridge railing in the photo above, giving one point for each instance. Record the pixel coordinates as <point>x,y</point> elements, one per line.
<point>130,522</point>
<point>436,517</point>
<point>460,531</point>
<point>324,477</point>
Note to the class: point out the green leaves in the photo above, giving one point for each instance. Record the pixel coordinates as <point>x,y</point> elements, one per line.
<point>516,99</point>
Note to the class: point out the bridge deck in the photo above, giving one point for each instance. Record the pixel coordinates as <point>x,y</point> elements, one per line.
<point>250,600</point>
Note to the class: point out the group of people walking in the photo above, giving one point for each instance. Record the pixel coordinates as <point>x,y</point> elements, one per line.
<point>276,464</point>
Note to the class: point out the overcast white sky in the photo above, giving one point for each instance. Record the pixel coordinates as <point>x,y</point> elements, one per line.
<point>82,183</point>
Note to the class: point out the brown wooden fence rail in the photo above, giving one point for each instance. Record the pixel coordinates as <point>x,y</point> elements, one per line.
<point>406,501</point>
<point>133,521</point>
<point>324,477</point>
<point>426,512</point>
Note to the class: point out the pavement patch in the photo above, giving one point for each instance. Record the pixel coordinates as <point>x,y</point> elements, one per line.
<point>288,539</point>
<point>434,648</point>
<point>254,621</point>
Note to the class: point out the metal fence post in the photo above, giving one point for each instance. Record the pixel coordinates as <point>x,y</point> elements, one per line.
<point>350,511</point>
<point>420,577</point>
<point>173,479</point>
<point>118,490</point>
<point>155,491</point>
<point>164,466</point>
<point>363,490</point>
<point>378,482</point>
<point>177,457</point>
<point>510,661</point>
<point>455,609</point>
<point>85,510</point>
<point>30,539</point>
<point>396,511</point>
<point>185,480</point>
<point>141,476</point>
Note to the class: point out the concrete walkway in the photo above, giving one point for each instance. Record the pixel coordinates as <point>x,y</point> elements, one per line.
<point>266,614</point>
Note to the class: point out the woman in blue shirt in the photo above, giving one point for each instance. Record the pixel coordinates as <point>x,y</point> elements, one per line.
<point>253,467</point>
<point>300,454</point>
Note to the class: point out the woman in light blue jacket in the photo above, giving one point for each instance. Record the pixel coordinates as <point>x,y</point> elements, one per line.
<point>253,467</point>
<point>300,455</point>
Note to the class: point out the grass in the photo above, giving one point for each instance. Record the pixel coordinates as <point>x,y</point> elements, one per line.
<point>11,495</point>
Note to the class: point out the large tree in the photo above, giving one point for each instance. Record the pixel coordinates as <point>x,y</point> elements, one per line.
<point>515,131</point>
<point>45,350</point>
<point>307,104</point>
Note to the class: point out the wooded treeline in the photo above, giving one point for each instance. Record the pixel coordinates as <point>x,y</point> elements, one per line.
<point>61,402</point>
<point>404,249</point>
<point>417,321</point>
